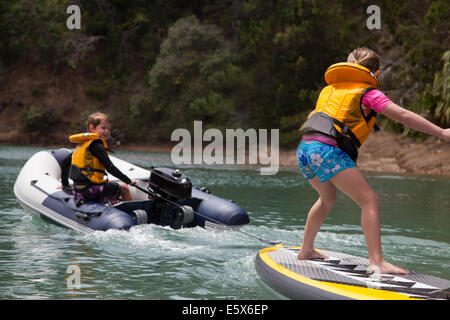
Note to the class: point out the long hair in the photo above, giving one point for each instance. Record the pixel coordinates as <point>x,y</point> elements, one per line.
<point>365,57</point>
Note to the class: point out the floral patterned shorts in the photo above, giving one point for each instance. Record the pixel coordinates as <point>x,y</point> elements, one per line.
<point>322,160</point>
<point>107,192</point>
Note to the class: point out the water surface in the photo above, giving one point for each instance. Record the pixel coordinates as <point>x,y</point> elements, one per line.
<point>153,262</point>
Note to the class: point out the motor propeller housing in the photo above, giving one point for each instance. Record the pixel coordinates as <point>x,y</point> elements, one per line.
<point>170,184</point>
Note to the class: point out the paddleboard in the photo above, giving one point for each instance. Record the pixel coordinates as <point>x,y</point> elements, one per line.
<point>342,276</point>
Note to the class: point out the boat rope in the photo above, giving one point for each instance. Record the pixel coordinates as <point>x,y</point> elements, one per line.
<point>157,195</point>
<point>85,214</point>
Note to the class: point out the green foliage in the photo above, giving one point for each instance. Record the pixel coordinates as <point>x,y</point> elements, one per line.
<point>37,119</point>
<point>193,78</point>
<point>421,28</point>
<point>252,63</point>
<point>96,93</point>
<point>32,29</point>
<point>433,103</point>
<point>289,125</point>
<point>441,92</point>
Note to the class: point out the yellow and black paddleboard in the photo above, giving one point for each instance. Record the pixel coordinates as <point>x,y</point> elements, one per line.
<point>342,276</point>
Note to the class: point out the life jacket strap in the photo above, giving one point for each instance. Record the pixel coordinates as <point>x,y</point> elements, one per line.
<point>346,130</point>
<point>92,170</point>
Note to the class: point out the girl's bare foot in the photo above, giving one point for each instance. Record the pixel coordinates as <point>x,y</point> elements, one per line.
<point>314,254</point>
<point>387,268</point>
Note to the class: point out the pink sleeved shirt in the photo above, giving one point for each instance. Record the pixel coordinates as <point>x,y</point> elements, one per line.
<point>376,100</point>
<point>372,99</point>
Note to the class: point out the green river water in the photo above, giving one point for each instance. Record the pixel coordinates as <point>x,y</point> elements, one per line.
<point>153,262</point>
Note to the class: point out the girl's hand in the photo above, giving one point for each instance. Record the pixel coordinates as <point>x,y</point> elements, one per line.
<point>445,134</point>
<point>133,182</point>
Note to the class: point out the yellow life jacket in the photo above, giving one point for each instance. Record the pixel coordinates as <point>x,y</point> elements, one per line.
<point>84,162</point>
<point>339,103</point>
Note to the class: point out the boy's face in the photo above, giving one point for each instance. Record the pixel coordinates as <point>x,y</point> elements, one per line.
<point>102,129</point>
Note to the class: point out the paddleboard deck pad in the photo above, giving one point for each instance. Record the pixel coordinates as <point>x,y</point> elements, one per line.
<point>342,277</point>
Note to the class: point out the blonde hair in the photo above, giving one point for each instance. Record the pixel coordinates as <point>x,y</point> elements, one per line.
<point>95,119</point>
<point>365,57</point>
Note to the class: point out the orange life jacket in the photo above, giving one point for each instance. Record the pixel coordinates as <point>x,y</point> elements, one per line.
<point>84,162</point>
<point>339,112</point>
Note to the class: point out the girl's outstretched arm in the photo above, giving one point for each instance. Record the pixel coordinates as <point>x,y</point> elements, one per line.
<point>414,121</point>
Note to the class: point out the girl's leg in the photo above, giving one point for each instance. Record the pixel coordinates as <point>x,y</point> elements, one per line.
<point>316,216</point>
<point>352,182</point>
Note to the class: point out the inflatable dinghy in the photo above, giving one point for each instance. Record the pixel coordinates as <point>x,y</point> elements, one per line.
<point>175,202</point>
<point>341,277</point>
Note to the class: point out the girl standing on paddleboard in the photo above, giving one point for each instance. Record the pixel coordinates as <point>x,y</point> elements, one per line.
<point>343,118</point>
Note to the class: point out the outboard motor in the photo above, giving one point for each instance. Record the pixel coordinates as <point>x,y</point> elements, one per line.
<point>171,184</point>
<point>174,186</point>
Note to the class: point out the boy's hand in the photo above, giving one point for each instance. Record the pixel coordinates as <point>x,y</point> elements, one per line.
<point>133,182</point>
<point>66,189</point>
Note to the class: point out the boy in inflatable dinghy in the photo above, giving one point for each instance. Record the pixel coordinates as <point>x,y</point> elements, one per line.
<point>88,163</point>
